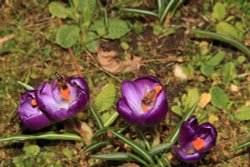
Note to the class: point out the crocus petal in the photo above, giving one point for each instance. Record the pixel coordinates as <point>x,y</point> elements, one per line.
<point>147,82</point>
<point>125,111</point>
<point>187,157</point>
<point>133,95</point>
<point>208,133</point>
<point>31,116</point>
<point>188,131</point>
<point>79,82</point>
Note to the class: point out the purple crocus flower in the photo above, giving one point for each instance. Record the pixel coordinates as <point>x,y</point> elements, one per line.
<point>143,101</point>
<point>63,98</point>
<point>30,114</point>
<point>195,139</point>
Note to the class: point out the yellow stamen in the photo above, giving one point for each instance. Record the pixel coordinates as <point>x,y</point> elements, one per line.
<point>65,93</point>
<point>33,102</point>
<point>198,143</point>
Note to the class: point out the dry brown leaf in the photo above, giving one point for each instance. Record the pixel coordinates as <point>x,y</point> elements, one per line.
<point>204,100</point>
<point>108,62</point>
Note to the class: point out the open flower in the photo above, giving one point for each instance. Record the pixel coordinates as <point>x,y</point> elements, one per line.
<point>30,114</point>
<point>63,98</point>
<point>143,101</point>
<point>195,139</point>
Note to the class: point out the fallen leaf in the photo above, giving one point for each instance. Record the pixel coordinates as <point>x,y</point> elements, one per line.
<point>108,62</point>
<point>179,73</point>
<point>204,100</point>
<point>213,118</point>
<point>84,131</point>
<point>234,88</point>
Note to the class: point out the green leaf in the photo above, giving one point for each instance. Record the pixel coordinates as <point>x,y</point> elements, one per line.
<point>159,148</point>
<point>81,4</point>
<point>219,97</point>
<point>116,156</point>
<point>31,150</point>
<point>44,136</point>
<point>116,28</point>
<point>57,9</point>
<point>106,98</point>
<point>67,35</point>
<point>219,11</point>
<point>216,60</point>
<point>192,98</point>
<point>177,110</point>
<point>246,144</point>
<point>91,41</point>
<point>243,113</point>
<point>229,72</point>
<point>95,146</point>
<point>136,147</point>
<point>207,70</point>
<point>228,29</point>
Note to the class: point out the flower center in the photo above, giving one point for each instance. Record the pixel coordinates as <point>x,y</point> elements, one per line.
<point>65,93</point>
<point>198,143</point>
<point>149,98</point>
<point>33,102</point>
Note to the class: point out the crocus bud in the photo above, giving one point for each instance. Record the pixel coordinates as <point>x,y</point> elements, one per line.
<point>30,113</point>
<point>194,140</point>
<point>143,101</point>
<point>63,98</point>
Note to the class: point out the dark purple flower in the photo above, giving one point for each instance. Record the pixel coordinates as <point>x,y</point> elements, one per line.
<point>143,101</point>
<point>103,2</point>
<point>63,98</point>
<point>195,139</point>
<point>30,114</point>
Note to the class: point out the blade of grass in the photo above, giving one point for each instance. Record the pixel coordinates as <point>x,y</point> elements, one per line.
<point>111,119</point>
<point>246,144</point>
<point>140,11</point>
<point>137,159</point>
<point>159,161</point>
<point>96,117</point>
<point>137,148</point>
<point>222,38</point>
<point>115,156</point>
<point>26,86</point>
<point>159,148</point>
<point>159,6</point>
<point>143,138</point>
<point>46,136</point>
<point>165,12</point>
<point>95,146</point>
<point>173,136</point>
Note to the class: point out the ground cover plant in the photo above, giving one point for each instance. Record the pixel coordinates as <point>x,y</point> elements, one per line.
<point>124,83</point>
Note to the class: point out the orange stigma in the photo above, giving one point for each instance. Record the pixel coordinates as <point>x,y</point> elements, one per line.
<point>33,102</point>
<point>65,93</point>
<point>198,143</point>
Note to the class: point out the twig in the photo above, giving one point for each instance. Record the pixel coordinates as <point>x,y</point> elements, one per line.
<point>6,38</point>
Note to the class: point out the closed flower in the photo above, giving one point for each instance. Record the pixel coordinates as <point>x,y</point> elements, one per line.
<point>195,139</point>
<point>143,101</point>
